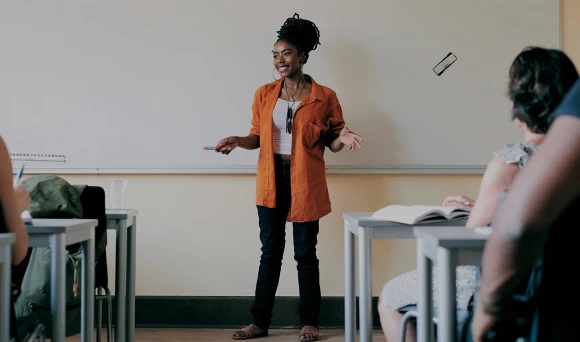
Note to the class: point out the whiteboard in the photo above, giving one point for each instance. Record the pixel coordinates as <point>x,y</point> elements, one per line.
<point>135,86</point>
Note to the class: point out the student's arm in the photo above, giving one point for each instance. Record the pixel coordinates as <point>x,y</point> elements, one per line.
<point>498,177</point>
<point>538,196</point>
<point>10,205</point>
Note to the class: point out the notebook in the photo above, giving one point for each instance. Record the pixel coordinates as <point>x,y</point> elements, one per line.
<point>26,217</point>
<point>412,214</point>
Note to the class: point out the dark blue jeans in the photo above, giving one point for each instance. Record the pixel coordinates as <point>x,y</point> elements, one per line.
<point>273,237</point>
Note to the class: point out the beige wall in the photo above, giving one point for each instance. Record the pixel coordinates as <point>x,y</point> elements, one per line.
<point>198,235</point>
<point>571,29</point>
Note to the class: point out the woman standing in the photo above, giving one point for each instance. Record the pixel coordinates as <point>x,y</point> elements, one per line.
<point>294,120</point>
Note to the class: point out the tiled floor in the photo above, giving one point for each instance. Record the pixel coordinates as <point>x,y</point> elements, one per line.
<point>211,335</point>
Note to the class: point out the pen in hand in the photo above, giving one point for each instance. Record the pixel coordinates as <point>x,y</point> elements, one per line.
<point>25,215</point>
<point>19,176</point>
<point>213,148</point>
<point>462,202</point>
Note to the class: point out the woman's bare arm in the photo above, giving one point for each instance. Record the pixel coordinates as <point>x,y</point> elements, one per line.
<point>538,196</point>
<point>498,177</point>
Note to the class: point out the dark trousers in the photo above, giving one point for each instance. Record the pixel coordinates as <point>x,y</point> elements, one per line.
<point>273,238</point>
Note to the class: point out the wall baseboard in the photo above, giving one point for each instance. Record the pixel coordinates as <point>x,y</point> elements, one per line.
<point>228,312</point>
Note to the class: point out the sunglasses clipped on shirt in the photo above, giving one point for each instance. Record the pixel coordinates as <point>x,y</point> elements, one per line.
<point>289,116</point>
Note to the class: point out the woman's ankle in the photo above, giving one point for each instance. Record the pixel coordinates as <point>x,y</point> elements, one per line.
<point>258,326</point>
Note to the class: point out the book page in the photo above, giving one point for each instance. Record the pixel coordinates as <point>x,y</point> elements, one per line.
<point>417,213</point>
<point>405,214</point>
<point>447,211</point>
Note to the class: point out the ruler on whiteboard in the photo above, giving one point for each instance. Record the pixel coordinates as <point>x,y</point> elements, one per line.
<point>42,158</point>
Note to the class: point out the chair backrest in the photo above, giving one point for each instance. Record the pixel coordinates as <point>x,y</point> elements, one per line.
<point>94,207</point>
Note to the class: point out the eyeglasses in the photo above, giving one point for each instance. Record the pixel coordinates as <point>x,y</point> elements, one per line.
<point>289,115</point>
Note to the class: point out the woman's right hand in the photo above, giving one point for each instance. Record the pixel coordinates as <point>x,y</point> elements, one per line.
<point>228,144</point>
<point>22,198</point>
<point>459,202</point>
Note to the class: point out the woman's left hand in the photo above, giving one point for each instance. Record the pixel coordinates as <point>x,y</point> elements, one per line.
<point>459,202</point>
<point>350,139</point>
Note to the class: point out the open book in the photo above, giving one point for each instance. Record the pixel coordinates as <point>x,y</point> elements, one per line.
<point>412,214</point>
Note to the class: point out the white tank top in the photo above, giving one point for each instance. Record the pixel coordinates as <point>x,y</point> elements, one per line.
<point>282,139</point>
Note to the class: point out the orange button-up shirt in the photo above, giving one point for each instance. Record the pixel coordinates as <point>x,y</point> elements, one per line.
<point>317,121</point>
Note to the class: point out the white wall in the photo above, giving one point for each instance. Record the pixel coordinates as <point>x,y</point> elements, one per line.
<point>151,78</point>
<point>198,235</point>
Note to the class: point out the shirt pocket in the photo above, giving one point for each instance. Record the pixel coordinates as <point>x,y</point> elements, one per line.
<point>311,135</point>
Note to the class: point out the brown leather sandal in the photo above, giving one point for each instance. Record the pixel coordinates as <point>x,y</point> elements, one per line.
<point>249,332</point>
<point>308,333</point>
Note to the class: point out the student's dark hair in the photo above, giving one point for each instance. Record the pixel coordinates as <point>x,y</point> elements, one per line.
<point>538,80</point>
<point>301,33</point>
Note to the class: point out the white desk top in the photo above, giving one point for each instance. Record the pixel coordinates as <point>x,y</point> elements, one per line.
<point>59,226</point>
<point>7,239</point>
<point>365,220</point>
<point>75,231</point>
<point>451,237</point>
<point>121,214</point>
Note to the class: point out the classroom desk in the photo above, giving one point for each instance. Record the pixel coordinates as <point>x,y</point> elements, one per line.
<point>450,247</point>
<point>6,242</point>
<point>367,229</point>
<point>57,234</point>
<point>124,222</point>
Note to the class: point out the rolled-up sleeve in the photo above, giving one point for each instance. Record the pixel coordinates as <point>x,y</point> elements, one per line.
<point>255,130</point>
<point>335,123</point>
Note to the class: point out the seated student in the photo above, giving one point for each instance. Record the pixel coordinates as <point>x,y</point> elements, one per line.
<point>538,218</point>
<point>538,80</point>
<point>13,201</point>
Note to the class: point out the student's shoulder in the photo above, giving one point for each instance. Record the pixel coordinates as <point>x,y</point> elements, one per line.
<point>519,153</point>
<point>499,172</point>
<point>570,105</point>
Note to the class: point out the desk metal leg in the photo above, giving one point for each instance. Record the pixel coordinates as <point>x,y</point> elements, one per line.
<point>88,289</point>
<point>5,293</point>
<point>58,286</point>
<point>446,263</point>
<point>425,328</point>
<point>121,281</point>
<point>349,276</point>
<point>365,285</point>
<point>131,262</point>
<point>100,317</point>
